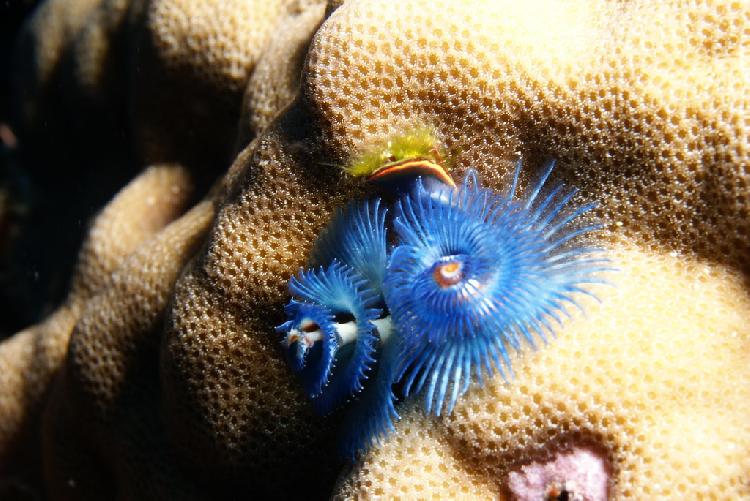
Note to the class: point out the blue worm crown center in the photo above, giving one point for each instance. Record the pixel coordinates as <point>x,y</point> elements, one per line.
<point>448,271</point>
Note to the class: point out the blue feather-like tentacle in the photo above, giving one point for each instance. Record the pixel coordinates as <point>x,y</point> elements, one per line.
<point>356,237</point>
<point>474,273</point>
<point>312,360</point>
<point>373,413</point>
<point>474,276</point>
<point>337,290</point>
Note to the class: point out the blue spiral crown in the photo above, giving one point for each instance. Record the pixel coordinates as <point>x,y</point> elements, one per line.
<point>475,275</point>
<point>330,324</point>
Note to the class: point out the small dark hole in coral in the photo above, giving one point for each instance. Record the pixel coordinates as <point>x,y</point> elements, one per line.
<point>563,495</point>
<point>559,493</point>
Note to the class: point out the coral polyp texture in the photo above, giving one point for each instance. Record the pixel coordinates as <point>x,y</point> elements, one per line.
<point>161,375</point>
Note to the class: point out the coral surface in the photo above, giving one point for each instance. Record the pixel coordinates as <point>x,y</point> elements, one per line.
<point>160,376</point>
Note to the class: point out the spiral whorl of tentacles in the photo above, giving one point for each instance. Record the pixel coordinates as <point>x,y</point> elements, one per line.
<point>471,275</point>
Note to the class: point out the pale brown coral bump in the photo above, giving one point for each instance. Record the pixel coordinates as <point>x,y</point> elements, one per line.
<point>33,357</point>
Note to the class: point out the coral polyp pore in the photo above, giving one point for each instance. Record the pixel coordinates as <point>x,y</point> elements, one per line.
<point>471,276</point>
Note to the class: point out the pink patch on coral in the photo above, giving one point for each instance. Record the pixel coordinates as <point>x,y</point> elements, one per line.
<point>576,475</point>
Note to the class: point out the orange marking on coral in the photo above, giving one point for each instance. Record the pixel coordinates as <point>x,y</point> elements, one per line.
<point>414,167</point>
